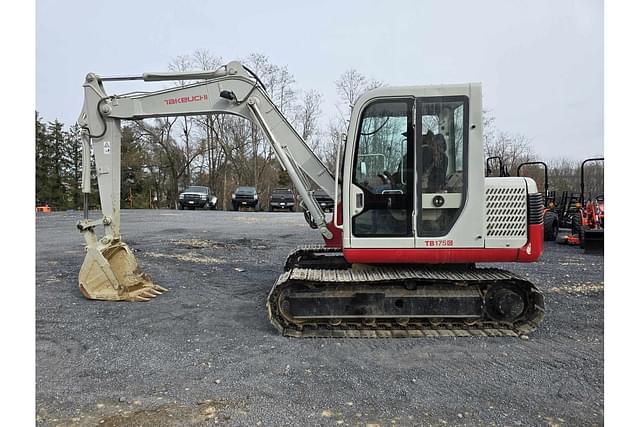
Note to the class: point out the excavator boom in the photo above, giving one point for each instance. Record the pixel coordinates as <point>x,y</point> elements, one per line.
<point>110,270</point>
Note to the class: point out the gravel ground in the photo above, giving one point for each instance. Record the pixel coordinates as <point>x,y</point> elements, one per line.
<point>204,353</point>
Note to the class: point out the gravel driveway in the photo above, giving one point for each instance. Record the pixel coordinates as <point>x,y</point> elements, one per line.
<point>204,353</point>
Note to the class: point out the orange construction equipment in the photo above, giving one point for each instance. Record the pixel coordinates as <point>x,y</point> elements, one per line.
<point>587,228</point>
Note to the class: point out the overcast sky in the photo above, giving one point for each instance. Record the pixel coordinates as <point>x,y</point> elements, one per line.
<point>540,62</point>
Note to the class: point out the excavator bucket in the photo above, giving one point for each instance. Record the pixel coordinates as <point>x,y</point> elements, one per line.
<point>110,272</point>
<point>593,242</point>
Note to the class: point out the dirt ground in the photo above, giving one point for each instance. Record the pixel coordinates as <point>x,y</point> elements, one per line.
<point>204,353</point>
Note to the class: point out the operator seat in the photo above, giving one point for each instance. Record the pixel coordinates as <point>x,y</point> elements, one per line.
<point>438,171</point>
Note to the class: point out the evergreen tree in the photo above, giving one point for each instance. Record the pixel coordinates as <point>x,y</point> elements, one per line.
<point>73,155</point>
<point>56,187</point>
<point>43,161</point>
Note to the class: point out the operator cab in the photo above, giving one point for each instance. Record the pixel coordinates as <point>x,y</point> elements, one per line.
<point>414,160</point>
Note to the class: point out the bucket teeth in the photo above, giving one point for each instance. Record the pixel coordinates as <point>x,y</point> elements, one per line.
<point>146,294</point>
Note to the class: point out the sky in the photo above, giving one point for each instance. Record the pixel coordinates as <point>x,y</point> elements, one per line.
<point>540,62</point>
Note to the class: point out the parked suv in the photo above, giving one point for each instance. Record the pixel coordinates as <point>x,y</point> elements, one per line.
<point>282,198</point>
<point>244,197</point>
<point>324,200</point>
<point>197,197</point>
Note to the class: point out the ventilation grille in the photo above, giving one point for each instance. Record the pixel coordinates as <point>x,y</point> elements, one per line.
<point>506,215</point>
<point>536,208</point>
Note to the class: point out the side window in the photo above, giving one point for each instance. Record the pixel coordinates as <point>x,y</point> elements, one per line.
<point>383,169</point>
<point>440,148</point>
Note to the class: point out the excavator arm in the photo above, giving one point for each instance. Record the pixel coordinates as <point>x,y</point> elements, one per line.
<point>110,270</point>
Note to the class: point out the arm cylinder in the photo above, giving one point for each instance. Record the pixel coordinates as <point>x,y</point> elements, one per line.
<point>86,162</point>
<point>86,171</point>
<point>309,202</point>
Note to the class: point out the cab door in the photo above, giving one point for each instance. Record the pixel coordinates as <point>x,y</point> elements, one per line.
<point>381,193</point>
<point>441,135</point>
<point>450,187</point>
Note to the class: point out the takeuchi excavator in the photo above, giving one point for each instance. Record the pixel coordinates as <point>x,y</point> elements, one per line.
<point>413,213</point>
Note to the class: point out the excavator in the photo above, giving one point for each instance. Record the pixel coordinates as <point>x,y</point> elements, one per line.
<point>413,213</point>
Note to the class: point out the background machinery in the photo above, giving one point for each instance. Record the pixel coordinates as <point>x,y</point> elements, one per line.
<point>567,207</point>
<point>413,211</point>
<point>587,226</point>
<point>502,169</point>
<point>551,220</point>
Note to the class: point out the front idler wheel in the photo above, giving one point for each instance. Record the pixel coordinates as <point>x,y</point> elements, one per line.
<point>505,304</point>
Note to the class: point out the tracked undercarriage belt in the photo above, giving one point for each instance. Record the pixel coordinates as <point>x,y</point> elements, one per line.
<point>399,301</point>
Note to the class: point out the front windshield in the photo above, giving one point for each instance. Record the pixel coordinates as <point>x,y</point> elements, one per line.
<point>382,147</point>
<point>196,190</point>
<point>383,169</point>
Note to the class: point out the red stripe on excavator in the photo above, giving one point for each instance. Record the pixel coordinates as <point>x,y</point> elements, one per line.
<point>336,240</point>
<point>528,253</point>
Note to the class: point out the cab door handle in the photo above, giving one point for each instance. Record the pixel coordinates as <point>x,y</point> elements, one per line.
<point>357,200</point>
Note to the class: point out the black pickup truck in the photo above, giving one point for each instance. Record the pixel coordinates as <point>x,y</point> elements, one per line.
<point>282,198</point>
<point>197,197</point>
<point>324,200</point>
<point>245,197</point>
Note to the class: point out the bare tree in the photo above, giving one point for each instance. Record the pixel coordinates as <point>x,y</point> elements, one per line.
<point>332,141</point>
<point>203,60</point>
<point>283,93</point>
<point>513,149</point>
<point>183,63</point>
<point>564,175</point>
<point>172,157</point>
<point>222,151</point>
<point>307,116</point>
<point>350,86</point>
<point>279,86</point>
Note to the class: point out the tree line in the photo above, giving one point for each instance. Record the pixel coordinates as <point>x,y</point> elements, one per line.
<point>563,174</point>
<point>161,157</point>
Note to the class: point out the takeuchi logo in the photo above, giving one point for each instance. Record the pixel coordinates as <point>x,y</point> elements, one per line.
<point>185,99</point>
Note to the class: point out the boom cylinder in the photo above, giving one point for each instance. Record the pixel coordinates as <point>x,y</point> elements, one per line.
<point>311,205</point>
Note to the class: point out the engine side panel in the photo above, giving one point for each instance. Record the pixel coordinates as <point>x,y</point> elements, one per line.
<point>505,212</point>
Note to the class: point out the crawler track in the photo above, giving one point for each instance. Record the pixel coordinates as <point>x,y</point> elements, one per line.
<point>321,295</point>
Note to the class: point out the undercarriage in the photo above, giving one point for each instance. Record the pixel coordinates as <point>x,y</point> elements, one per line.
<point>321,295</point>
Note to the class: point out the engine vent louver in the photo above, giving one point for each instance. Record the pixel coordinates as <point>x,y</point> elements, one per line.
<point>536,208</point>
<point>506,214</point>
